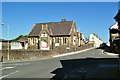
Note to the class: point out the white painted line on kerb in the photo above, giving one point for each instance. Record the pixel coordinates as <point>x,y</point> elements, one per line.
<point>9,74</point>
<point>71,53</point>
<point>7,68</point>
<point>111,54</point>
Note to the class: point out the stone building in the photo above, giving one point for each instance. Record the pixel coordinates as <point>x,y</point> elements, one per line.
<point>46,36</point>
<point>80,39</point>
<point>114,31</point>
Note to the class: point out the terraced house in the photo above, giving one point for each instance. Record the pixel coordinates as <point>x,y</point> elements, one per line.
<point>46,36</point>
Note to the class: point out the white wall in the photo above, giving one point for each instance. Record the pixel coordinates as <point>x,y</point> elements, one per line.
<point>16,45</point>
<point>95,39</point>
<point>26,46</point>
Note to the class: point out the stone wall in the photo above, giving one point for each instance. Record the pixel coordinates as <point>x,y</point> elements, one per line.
<point>24,54</point>
<point>35,53</point>
<point>5,45</point>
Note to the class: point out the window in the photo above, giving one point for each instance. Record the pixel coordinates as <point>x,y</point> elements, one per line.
<point>33,40</point>
<point>44,34</point>
<point>74,40</point>
<point>64,40</point>
<point>57,40</point>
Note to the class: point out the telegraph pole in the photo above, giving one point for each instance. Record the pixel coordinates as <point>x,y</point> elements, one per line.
<point>8,56</point>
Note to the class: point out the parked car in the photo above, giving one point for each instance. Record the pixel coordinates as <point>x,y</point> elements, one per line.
<point>103,46</point>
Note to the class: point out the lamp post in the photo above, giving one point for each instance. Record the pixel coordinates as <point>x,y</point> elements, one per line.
<point>8,57</point>
<point>1,56</point>
<point>8,41</point>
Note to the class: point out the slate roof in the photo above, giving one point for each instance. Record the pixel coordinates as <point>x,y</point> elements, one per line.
<point>54,28</point>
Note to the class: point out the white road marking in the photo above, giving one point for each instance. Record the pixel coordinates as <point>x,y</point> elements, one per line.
<point>9,74</point>
<point>19,64</point>
<point>7,68</point>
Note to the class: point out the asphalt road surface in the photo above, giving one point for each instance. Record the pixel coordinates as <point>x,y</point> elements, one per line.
<point>92,63</point>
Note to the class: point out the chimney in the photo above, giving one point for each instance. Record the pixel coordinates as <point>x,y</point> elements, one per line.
<point>63,20</point>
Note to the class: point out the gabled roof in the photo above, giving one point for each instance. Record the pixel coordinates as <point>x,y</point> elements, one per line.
<point>54,28</point>
<point>115,26</point>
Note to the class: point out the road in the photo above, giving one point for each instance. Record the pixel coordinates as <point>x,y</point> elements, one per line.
<point>57,67</point>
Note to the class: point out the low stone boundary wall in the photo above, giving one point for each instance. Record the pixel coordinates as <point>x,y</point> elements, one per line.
<point>32,54</point>
<point>24,54</point>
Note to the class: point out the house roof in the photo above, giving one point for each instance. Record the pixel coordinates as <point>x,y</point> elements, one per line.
<point>22,39</point>
<point>117,17</point>
<point>54,28</point>
<point>115,26</point>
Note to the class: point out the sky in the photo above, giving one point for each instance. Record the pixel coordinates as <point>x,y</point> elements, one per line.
<point>90,17</point>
